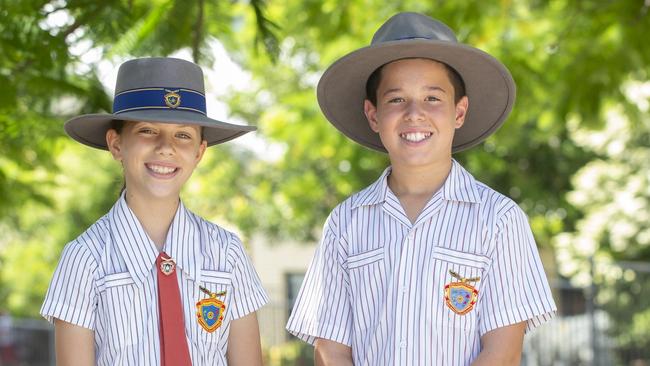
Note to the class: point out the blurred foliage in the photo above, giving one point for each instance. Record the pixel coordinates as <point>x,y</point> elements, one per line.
<point>613,192</point>
<point>293,353</point>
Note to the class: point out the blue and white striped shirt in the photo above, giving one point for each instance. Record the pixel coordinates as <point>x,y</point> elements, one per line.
<point>106,281</point>
<point>376,282</point>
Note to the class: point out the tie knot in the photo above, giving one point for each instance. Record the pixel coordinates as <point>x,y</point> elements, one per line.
<point>166,265</point>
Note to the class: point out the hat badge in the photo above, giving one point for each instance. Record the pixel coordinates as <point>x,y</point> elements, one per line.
<point>172,98</point>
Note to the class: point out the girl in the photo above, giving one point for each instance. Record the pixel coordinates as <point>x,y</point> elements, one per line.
<point>151,283</point>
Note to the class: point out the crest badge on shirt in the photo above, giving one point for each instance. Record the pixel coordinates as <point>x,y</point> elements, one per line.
<point>210,311</point>
<point>461,296</point>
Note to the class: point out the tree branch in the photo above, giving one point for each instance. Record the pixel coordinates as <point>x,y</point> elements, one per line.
<point>198,33</point>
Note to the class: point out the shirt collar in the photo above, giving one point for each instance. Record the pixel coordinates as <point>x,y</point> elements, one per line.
<point>459,186</point>
<point>139,251</point>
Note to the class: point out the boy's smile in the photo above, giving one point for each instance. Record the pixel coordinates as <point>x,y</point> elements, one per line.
<point>416,115</point>
<point>158,158</point>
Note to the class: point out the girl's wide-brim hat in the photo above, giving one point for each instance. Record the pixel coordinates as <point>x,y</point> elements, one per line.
<point>488,83</point>
<point>164,90</point>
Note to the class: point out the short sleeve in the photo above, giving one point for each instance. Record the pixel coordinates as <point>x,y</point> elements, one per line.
<point>248,293</point>
<point>322,308</point>
<point>516,288</point>
<point>72,295</point>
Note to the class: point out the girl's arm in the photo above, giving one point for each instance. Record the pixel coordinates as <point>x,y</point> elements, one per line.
<point>244,346</point>
<point>75,345</point>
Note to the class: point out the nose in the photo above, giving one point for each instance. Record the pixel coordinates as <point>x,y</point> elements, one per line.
<point>165,144</point>
<point>414,111</point>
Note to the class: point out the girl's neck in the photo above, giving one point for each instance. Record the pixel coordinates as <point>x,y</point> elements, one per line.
<point>155,215</point>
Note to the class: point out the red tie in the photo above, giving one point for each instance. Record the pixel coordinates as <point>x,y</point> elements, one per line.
<point>173,344</point>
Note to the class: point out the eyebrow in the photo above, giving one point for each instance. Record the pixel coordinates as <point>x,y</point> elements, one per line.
<point>429,88</point>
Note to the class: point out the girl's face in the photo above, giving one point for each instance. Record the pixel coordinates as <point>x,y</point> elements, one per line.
<point>157,158</point>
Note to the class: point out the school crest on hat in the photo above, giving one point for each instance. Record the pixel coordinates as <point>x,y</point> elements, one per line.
<point>172,98</point>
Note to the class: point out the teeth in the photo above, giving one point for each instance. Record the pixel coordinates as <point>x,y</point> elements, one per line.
<point>415,136</point>
<point>161,169</point>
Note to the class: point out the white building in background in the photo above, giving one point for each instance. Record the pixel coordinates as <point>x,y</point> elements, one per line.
<point>281,266</point>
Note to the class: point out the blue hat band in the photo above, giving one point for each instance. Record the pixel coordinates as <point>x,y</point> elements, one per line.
<point>159,98</point>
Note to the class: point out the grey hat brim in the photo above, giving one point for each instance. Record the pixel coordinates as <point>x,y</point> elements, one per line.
<point>489,87</point>
<point>90,129</point>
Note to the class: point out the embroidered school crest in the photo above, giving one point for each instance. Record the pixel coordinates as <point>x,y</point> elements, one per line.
<point>172,98</point>
<point>460,296</point>
<point>210,311</point>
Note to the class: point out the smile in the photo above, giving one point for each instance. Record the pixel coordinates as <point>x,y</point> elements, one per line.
<point>161,170</point>
<point>415,136</point>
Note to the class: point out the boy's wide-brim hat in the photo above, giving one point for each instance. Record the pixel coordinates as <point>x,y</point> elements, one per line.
<point>158,89</point>
<point>488,83</point>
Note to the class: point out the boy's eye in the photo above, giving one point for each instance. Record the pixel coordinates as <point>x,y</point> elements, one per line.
<point>431,98</point>
<point>396,100</point>
<point>183,135</point>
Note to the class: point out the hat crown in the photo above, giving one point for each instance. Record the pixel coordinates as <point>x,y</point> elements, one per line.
<point>409,25</point>
<point>159,72</point>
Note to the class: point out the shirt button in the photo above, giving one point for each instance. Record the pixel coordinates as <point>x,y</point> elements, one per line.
<point>402,344</point>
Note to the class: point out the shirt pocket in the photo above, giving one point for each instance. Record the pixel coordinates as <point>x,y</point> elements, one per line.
<point>448,267</point>
<point>367,275</point>
<point>120,311</point>
<point>217,282</point>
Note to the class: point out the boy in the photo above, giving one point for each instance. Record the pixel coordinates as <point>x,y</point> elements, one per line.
<point>426,266</point>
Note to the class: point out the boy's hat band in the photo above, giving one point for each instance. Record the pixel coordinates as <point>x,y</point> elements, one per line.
<point>488,84</point>
<point>165,90</point>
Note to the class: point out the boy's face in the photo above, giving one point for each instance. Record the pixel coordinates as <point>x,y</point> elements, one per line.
<point>415,114</point>
<point>157,158</point>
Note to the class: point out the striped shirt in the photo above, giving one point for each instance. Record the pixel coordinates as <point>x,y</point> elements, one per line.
<point>376,282</point>
<point>106,281</point>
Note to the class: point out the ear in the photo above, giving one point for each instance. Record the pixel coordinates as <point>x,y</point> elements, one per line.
<point>461,111</point>
<point>370,111</point>
<point>201,151</point>
<point>114,143</point>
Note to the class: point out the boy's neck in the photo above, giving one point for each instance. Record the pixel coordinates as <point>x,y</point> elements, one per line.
<point>414,186</point>
<point>155,215</point>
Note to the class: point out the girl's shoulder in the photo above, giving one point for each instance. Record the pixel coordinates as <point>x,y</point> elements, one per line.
<point>215,235</point>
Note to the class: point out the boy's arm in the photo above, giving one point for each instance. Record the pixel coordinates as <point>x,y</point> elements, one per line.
<point>328,353</point>
<point>75,345</point>
<point>502,346</point>
<point>244,346</point>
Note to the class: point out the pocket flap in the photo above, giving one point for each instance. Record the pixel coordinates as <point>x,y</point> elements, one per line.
<point>114,280</point>
<point>462,258</point>
<point>218,277</point>
<point>365,258</point>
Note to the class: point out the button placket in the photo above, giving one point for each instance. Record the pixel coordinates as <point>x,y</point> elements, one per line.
<point>402,299</point>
